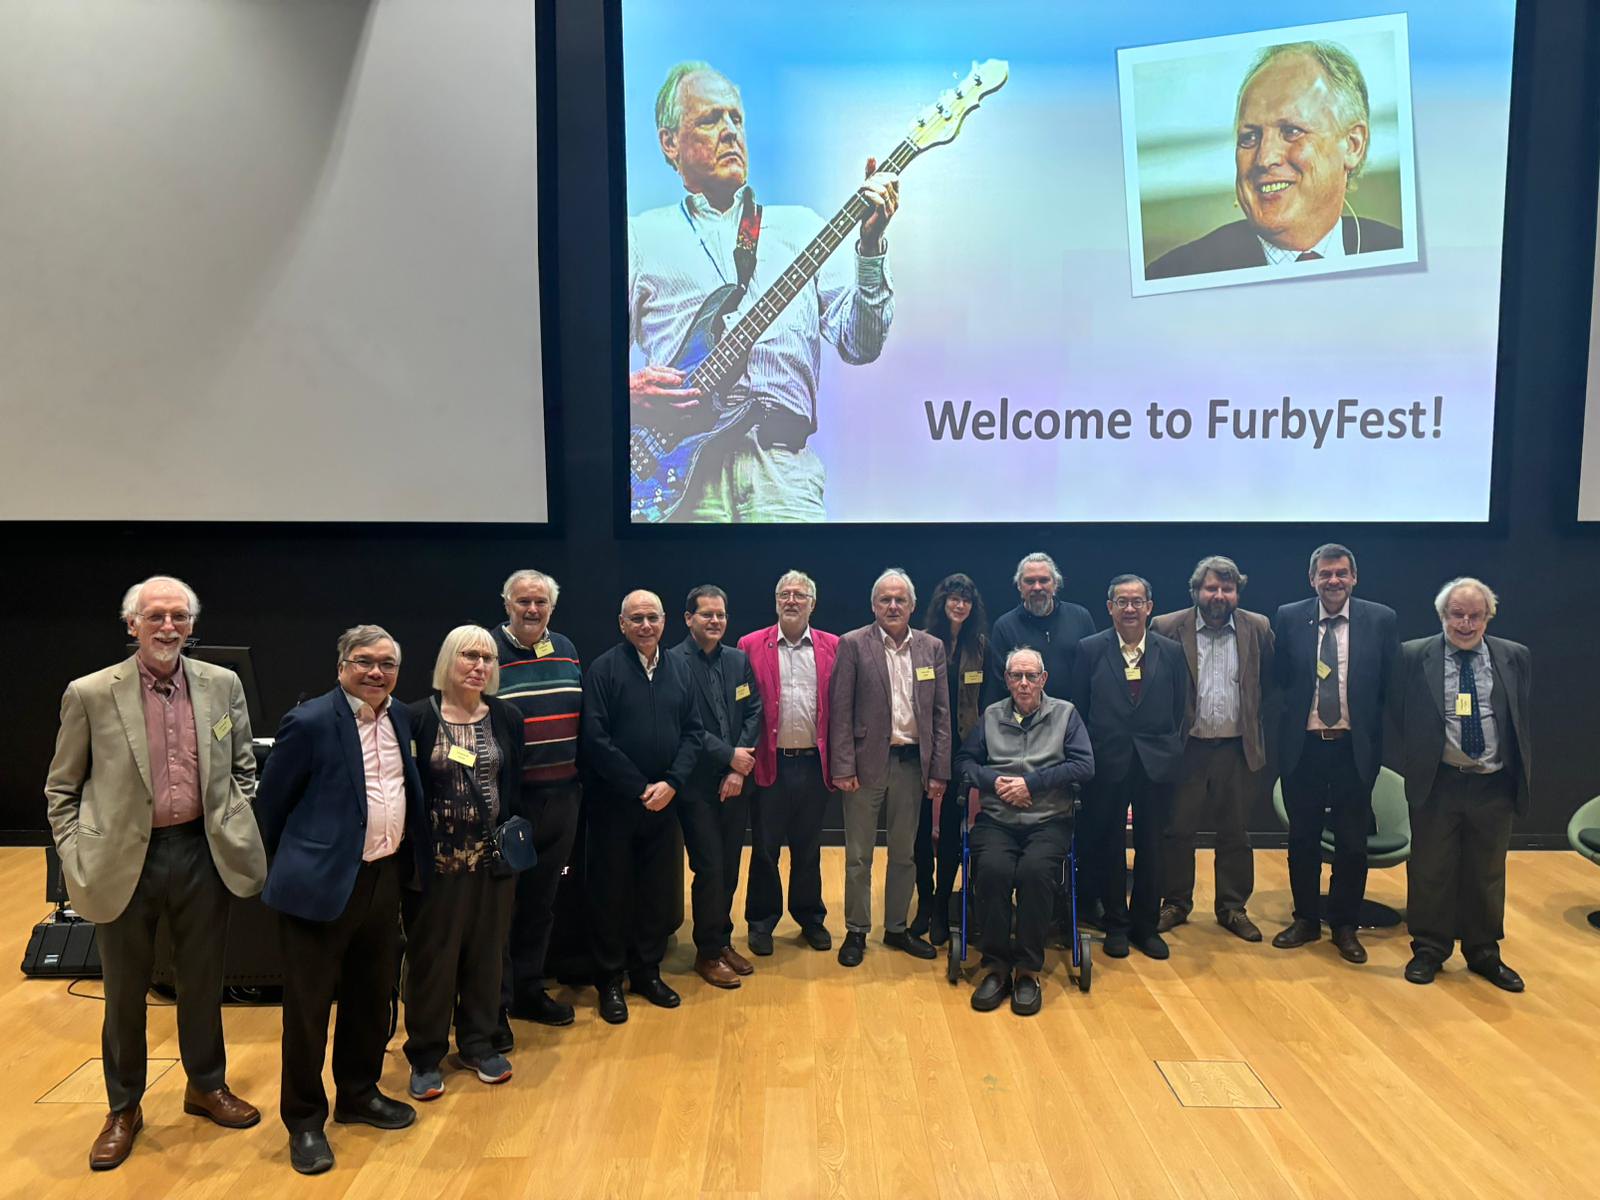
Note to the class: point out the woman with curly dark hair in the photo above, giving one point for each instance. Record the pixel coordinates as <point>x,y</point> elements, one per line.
<point>956,617</point>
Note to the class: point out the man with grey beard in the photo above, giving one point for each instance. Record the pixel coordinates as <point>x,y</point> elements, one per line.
<point>1044,622</point>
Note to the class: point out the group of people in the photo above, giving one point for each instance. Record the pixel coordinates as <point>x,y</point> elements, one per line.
<point>372,817</point>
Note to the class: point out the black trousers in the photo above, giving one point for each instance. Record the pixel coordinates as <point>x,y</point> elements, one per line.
<point>1325,789</point>
<point>633,857</point>
<point>713,834</point>
<point>553,810</point>
<point>455,935</point>
<point>1214,793</point>
<point>1149,801</point>
<point>180,882</point>
<point>790,811</point>
<point>1025,860</point>
<point>350,960</point>
<point>1456,875</point>
<point>937,862</point>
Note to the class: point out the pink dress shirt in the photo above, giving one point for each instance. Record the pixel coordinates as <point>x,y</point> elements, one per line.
<point>174,754</point>
<point>385,774</point>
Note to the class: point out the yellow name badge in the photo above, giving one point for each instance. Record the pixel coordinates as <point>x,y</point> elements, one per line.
<point>924,674</point>
<point>543,648</point>
<point>972,677</point>
<point>222,728</point>
<point>460,754</point>
<point>1463,704</point>
<point>1323,669</point>
<point>413,749</point>
<point>742,691</point>
<point>1132,673</point>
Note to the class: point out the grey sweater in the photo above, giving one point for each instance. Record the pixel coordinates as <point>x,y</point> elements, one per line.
<point>1048,748</point>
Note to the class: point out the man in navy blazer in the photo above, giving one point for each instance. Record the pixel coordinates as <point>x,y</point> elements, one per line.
<point>340,810</point>
<point>1334,658</point>
<point>1131,687</point>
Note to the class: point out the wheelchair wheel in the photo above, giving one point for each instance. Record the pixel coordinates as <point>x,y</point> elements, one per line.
<point>952,970</point>
<point>1083,962</point>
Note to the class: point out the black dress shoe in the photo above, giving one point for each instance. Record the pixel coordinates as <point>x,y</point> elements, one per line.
<point>1301,933</point>
<point>1152,946</point>
<point>1421,969</point>
<point>1117,945</point>
<point>760,942</point>
<point>374,1109</point>
<point>1026,995</point>
<point>816,936</point>
<point>309,1152</point>
<point>545,1010</point>
<point>939,927</point>
<point>1497,973</point>
<point>996,986</point>
<point>613,1007</point>
<point>853,950</point>
<point>910,943</point>
<point>502,1039</point>
<point>654,989</point>
<point>1349,945</point>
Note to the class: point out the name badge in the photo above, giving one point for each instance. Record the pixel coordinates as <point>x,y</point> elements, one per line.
<point>742,691</point>
<point>972,677</point>
<point>543,648</point>
<point>413,749</point>
<point>1132,673</point>
<point>222,728</point>
<point>460,754</point>
<point>1463,704</point>
<point>924,674</point>
<point>1323,669</point>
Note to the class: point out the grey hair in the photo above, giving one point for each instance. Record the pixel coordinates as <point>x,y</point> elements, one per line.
<point>531,576</point>
<point>1328,552</point>
<point>895,573</point>
<point>622,607</point>
<point>1442,600</point>
<point>1345,81</point>
<point>1016,650</point>
<point>796,577</point>
<point>1220,565</point>
<point>459,639</point>
<point>130,598</point>
<point>1120,580</point>
<point>358,636</point>
<point>669,108</point>
<point>1038,556</point>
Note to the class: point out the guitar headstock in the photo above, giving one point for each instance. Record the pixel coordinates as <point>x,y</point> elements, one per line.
<point>940,122</point>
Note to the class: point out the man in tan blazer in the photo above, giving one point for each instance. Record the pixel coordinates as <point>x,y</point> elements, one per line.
<point>1230,655</point>
<point>888,742</point>
<point>149,802</point>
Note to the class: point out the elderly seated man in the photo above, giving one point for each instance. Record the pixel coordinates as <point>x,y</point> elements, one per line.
<point>1024,763</point>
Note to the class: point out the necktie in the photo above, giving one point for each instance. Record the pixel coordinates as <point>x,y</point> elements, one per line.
<point>1472,725</point>
<point>1308,256</point>
<point>1328,709</point>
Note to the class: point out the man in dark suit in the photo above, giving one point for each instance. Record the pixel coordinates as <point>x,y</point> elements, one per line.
<point>341,812</point>
<point>1229,651</point>
<point>1302,136</point>
<point>715,806</point>
<point>1460,708</point>
<point>1335,655</point>
<point>889,741</point>
<point>1132,690</point>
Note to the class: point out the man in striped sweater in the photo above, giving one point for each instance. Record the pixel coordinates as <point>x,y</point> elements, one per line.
<point>541,675</point>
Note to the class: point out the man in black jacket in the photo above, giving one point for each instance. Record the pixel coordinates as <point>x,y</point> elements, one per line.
<point>1052,626</point>
<point>1132,689</point>
<point>640,736</point>
<point>715,805</point>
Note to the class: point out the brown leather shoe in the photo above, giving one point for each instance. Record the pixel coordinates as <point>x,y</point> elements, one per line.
<point>715,972</point>
<point>1241,926</point>
<point>739,963</point>
<point>222,1106</point>
<point>1349,945</point>
<point>115,1142</point>
<point>1170,918</point>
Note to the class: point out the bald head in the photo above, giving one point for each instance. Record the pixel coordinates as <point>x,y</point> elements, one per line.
<point>642,621</point>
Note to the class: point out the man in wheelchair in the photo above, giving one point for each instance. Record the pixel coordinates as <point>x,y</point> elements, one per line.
<point>1023,764</point>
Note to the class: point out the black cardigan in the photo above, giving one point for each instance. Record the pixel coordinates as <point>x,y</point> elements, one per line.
<point>506,722</point>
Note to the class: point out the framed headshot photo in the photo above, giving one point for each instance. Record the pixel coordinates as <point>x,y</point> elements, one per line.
<point>1270,155</point>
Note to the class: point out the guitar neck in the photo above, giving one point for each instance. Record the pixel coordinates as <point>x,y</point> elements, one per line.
<point>733,348</point>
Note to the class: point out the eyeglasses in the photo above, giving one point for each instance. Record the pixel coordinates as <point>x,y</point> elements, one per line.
<point>387,665</point>
<point>793,594</point>
<point>1125,602</point>
<point>182,619</point>
<point>644,618</point>
<point>475,657</point>
<point>1025,676</point>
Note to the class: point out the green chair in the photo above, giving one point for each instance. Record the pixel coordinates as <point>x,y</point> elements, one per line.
<point>1583,833</point>
<point>1388,845</point>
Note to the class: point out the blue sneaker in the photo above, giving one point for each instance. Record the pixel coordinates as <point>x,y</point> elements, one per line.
<point>491,1068</point>
<point>426,1085</point>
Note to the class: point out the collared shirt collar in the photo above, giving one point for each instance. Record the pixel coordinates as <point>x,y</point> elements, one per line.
<point>804,638</point>
<point>1480,651</point>
<point>694,648</point>
<point>700,208</point>
<point>1200,623</point>
<point>889,643</point>
<point>1123,646</point>
<point>1330,247</point>
<point>512,638</point>
<point>150,679</point>
<point>356,704</point>
<point>648,664</point>
<point>1324,615</point>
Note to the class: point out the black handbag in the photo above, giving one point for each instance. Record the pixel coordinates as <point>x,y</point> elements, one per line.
<point>510,843</point>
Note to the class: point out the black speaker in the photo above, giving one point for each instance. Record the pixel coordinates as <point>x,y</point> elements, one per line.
<point>62,949</point>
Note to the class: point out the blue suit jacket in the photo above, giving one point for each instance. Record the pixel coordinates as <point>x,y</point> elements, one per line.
<point>311,806</point>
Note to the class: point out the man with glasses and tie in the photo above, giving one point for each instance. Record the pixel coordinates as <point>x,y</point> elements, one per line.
<point>1334,658</point>
<point>1461,710</point>
<point>149,803</point>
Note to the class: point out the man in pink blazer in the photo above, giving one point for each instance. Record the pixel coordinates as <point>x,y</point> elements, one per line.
<point>888,743</point>
<point>793,665</point>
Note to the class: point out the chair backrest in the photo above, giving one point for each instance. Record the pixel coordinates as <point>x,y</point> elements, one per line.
<point>1587,817</point>
<point>1389,808</point>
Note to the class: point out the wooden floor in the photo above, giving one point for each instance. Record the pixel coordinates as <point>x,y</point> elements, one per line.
<point>1229,1071</point>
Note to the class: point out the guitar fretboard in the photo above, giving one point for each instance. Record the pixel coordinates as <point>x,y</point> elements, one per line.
<point>733,348</point>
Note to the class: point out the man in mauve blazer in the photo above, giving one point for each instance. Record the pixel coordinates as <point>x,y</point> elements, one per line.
<point>1229,652</point>
<point>341,812</point>
<point>888,743</point>
<point>1460,712</point>
<point>1132,689</point>
<point>791,774</point>
<point>1335,655</point>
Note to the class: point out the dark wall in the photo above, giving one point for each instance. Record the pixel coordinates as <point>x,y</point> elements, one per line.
<point>288,590</point>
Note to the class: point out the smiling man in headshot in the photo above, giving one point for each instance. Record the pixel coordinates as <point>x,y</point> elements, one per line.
<point>1302,128</point>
